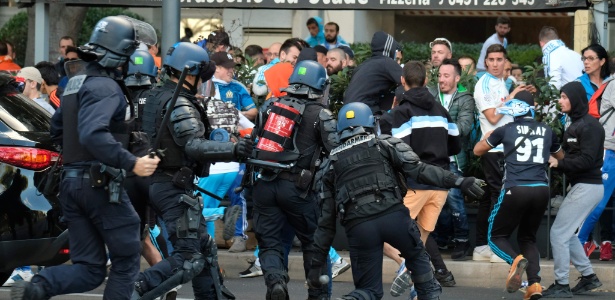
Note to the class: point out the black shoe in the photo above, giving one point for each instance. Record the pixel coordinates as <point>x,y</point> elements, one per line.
<point>586,284</point>
<point>278,292</point>
<point>445,278</point>
<point>231,214</point>
<point>461,250</point>
<point>557,290</point>
<point>27,290</point>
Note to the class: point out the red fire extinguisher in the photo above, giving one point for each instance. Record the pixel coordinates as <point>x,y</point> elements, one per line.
<point>278,125</point>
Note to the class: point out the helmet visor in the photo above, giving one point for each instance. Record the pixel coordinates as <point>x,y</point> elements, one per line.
<point>144,32</point>
<point>74,67</point>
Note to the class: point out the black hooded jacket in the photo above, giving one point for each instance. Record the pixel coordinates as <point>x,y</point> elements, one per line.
<point>583,140</point>
<point>372,80</point>
<point>426,126</point>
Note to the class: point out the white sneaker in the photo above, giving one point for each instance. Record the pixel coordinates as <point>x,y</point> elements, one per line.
<point>18,275</point>
<point>252,271</point>
<point>339,267</point>
<point>482,253</point>
<point>496,259</point>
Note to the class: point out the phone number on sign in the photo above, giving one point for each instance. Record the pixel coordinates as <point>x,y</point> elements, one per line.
<point>486,2</point>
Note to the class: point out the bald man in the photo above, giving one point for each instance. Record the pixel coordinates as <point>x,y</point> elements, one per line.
<point>336,61</point>
<point>259,86</point>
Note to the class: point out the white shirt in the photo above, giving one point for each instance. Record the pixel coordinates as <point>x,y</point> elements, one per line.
<point>490,92</point>
<point>562,64</point>
<point>480,64</point>
<point>45,105</point>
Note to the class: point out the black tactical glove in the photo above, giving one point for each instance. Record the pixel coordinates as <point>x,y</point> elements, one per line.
<point>471,186</point>
<point>243,148</point>
<point>315,272</point>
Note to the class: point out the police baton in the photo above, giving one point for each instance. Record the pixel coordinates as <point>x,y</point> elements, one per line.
<point>167,114</point>
<point>267,164</point>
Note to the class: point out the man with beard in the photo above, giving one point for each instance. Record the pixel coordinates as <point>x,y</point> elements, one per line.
<point>460,105</point>
<point>441,49</point>
<point>502,28</point>
<point>333,40</point>
<point>336,61</point>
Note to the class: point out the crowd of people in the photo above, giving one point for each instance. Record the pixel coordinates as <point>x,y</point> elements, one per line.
<point>401,146</point>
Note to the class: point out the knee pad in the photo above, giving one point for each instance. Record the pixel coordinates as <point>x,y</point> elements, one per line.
<point>192,267</point>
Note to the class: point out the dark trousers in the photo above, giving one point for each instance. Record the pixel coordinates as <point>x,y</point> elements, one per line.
<point>434,253</point>
<point>137,189</point>
<point>492,163</point>
<point>93,222</point>
<point>277,204</point>
<point>523,207</point>
<point>366,241</point>
<point>164,197</point>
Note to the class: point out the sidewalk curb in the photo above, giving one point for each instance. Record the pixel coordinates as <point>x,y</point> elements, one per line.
<point>467,273</point>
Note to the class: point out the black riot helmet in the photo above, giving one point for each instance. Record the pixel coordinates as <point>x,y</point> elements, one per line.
<point>114,39</point>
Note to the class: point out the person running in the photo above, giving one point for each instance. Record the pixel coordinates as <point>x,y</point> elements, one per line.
<point>525,193</point>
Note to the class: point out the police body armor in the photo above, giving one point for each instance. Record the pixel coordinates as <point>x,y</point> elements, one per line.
<point>73,150</point>
<point>174,156</point>
<point>368,185</point>
<point>139,141</point>
<point>302,145</point>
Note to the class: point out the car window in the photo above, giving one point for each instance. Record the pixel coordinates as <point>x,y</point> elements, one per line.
<point>21,114</point>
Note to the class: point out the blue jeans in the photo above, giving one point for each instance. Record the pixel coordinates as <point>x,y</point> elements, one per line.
<point>608,169</point>
<point>454,213</point>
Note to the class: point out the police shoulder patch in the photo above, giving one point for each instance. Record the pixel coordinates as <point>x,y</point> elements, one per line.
<point>74,84</point>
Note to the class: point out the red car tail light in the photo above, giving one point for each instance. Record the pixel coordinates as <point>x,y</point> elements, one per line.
<point>28,158</point>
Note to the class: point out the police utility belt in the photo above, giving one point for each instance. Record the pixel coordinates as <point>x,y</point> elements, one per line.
<point>181,178</point>
<point>302,179</point>
<point>101,176</point>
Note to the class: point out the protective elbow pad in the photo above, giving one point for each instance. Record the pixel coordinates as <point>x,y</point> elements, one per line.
<point>203,150</point>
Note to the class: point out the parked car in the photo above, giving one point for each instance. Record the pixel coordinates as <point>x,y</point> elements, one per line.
<point>31,231</point>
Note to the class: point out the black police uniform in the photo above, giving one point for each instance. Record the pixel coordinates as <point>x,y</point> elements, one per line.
<point>186,154</point>
<point>362,183</point>
<point>91,125</point>
<point>279,202</point>
<point>137,187</point>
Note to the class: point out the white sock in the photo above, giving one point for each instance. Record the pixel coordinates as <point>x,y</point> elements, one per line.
<point>257,262</point>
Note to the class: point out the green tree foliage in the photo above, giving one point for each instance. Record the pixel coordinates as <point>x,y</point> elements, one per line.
<point>16,31</point>
<point>95,14</point>
<point>523,55</point>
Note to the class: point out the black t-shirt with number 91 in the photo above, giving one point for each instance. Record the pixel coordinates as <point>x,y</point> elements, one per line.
<point>528,164</point>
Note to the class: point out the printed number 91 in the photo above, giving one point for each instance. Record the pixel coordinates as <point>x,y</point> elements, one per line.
<point>524,152</point>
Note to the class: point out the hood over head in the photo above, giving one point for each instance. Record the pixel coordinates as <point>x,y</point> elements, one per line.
<point>307,54</point>
<point>383,44</point>
<point>578,99</point>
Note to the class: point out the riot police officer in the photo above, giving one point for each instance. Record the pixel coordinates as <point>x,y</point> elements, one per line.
<point>363,182</point>
<point>91,126</point>
<point>297,131</point>
<point>186,154</point>
<point>140,78</point>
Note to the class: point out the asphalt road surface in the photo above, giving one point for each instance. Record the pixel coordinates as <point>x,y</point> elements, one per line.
<point>254,288</point>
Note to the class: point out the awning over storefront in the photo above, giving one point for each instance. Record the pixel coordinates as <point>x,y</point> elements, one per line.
<point>502,5</point>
